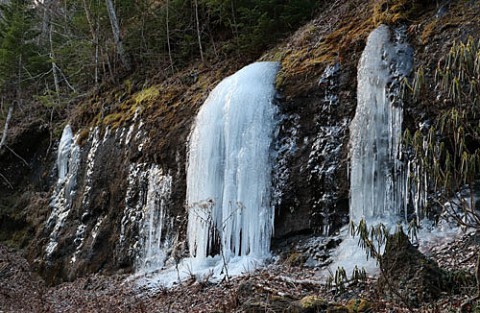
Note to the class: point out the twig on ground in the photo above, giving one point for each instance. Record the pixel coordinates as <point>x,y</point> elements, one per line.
<point>7,181</point>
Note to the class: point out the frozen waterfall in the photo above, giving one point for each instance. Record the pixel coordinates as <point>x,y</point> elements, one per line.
<point>153,202</point>
<point>230,217</point>
<point>68,162</point>
<point>63,155</point>
<point>376,181</point>
<point>229,167</point>
<point>376,174</point>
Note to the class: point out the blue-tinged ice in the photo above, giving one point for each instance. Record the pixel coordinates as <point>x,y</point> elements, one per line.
<point>377,187</point>
<point>377,178</point>
<point>230,215</point>
<point>229,167</point>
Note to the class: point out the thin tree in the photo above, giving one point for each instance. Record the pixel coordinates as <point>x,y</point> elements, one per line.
<point>94,33</point>
<point>168,36</point>
<point>54,65</point>
<point>45,29</point>
<point>116,34</point>
<point>198,31</point>
<point>5,127</point>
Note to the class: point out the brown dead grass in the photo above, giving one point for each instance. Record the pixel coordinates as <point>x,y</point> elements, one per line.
<point>328,39</point>
<point>392,12</point>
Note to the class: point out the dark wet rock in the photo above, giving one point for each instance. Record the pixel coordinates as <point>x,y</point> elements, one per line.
<point>408,274</point>
<point>310,179</point>
<point>306,251</point>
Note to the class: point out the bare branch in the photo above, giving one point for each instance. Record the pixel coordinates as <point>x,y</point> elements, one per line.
<point>5,129</point>
<point>6,180</point>
<point>17,155</point>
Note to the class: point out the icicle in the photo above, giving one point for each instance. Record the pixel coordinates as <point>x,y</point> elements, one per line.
<point>68,163</point>
<point>377,187</point>
<point>63,155</point>
<point>95,144</point>
<point>155,227</point>
<point>377,176</point>
<point>229,167</point>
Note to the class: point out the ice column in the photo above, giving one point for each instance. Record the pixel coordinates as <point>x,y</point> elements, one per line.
<point>68,162</point>
<point>155,228</point>
<point>376,130</point>
<point>229,166</point>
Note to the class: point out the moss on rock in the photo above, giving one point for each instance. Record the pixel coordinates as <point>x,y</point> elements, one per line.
<point>359,306</point>
<point>312,304</point>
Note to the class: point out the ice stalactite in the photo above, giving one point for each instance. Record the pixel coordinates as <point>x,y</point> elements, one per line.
<point>156,225</point>
<point>229,167</point>
<point>377,175</point>
<point>68,162</point>
<point>146,207</point>
<point>96,142</point>
<point>63,155</point>
<point>81,231</point>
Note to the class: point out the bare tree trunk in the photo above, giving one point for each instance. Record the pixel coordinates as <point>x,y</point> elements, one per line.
<point>108,65</point>
<point>54,66</point>
<point>235,26</point>
<point>94,32</point>
<point>116,34</point>
<point>45,21</point>
<point>19,79</point>
<point>46,34</point>
<point>96,62</point>
<point>168,39</point>
<point>89,18</point>
<point>198,31</point>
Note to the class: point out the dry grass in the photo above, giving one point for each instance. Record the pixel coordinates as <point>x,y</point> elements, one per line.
<point>330,38</point>
<point>392,12</point>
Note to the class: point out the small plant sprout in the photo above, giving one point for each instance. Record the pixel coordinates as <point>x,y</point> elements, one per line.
<point>359,275</point>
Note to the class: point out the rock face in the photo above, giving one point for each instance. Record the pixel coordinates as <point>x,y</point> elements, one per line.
<point>85,209</point>
<point>100,227</point>
<point>310,177</point>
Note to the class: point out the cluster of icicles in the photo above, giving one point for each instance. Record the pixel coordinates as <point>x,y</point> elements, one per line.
<point>230,216</point>
<point>230,212</point>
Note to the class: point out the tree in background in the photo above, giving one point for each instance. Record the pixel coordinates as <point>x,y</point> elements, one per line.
<point>67,47</point>
<point>117,35</point>
<point>22,60</point>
